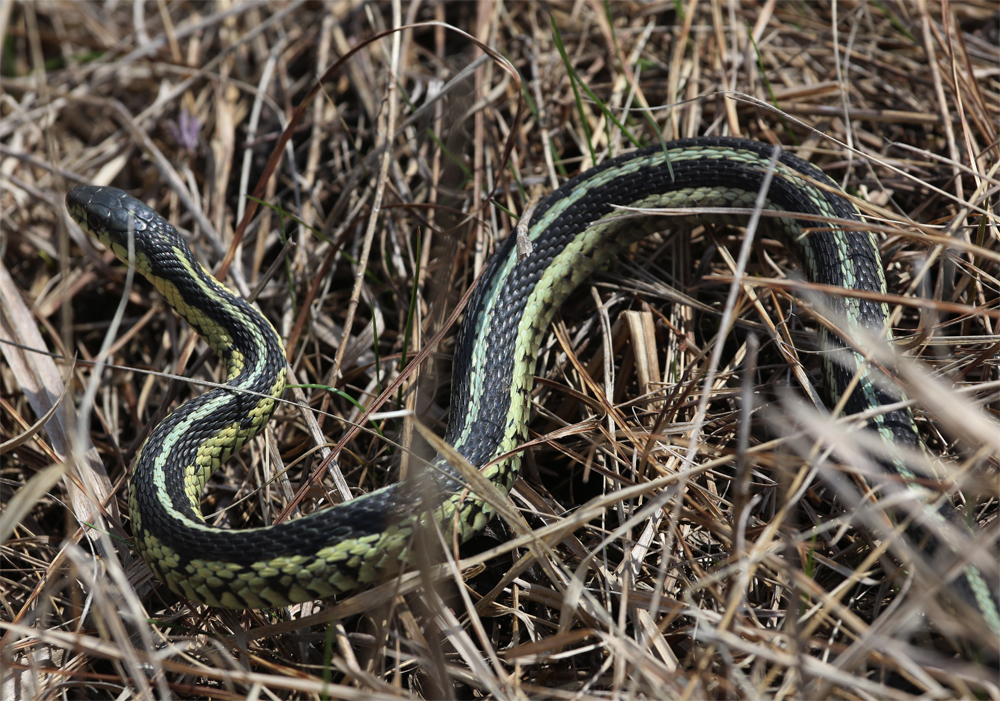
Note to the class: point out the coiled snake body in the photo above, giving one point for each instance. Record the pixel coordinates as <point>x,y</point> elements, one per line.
<point>573,231</point>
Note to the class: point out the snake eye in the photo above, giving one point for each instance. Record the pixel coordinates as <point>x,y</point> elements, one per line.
<point>94,221</point>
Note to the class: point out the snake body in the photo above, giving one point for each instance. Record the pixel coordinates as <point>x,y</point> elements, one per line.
<point>573,231</point>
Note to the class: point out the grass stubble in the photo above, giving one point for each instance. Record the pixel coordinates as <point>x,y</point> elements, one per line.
<point>757,565</point>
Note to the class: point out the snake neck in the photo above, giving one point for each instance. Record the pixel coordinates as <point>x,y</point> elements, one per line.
<point>240,336</point>
<point>219,422</point>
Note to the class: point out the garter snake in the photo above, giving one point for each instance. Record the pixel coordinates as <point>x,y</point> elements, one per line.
<point>573,231</point>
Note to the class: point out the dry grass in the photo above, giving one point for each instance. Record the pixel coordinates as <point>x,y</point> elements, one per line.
<point>735,571</point>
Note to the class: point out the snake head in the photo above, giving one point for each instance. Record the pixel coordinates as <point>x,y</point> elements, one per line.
<point>113,217</point>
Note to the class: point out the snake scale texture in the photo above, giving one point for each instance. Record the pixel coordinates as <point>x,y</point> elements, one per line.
<point>574,231</point>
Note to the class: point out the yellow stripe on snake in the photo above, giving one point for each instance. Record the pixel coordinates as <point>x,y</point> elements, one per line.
<point>573,231</point>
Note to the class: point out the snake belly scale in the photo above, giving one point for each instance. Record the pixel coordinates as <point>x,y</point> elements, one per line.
<point>574,231</point>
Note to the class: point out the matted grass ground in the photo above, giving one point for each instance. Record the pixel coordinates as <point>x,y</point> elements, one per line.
<point>756,578</point>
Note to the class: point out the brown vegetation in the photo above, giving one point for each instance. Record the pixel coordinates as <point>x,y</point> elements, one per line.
<point>412,159</point>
